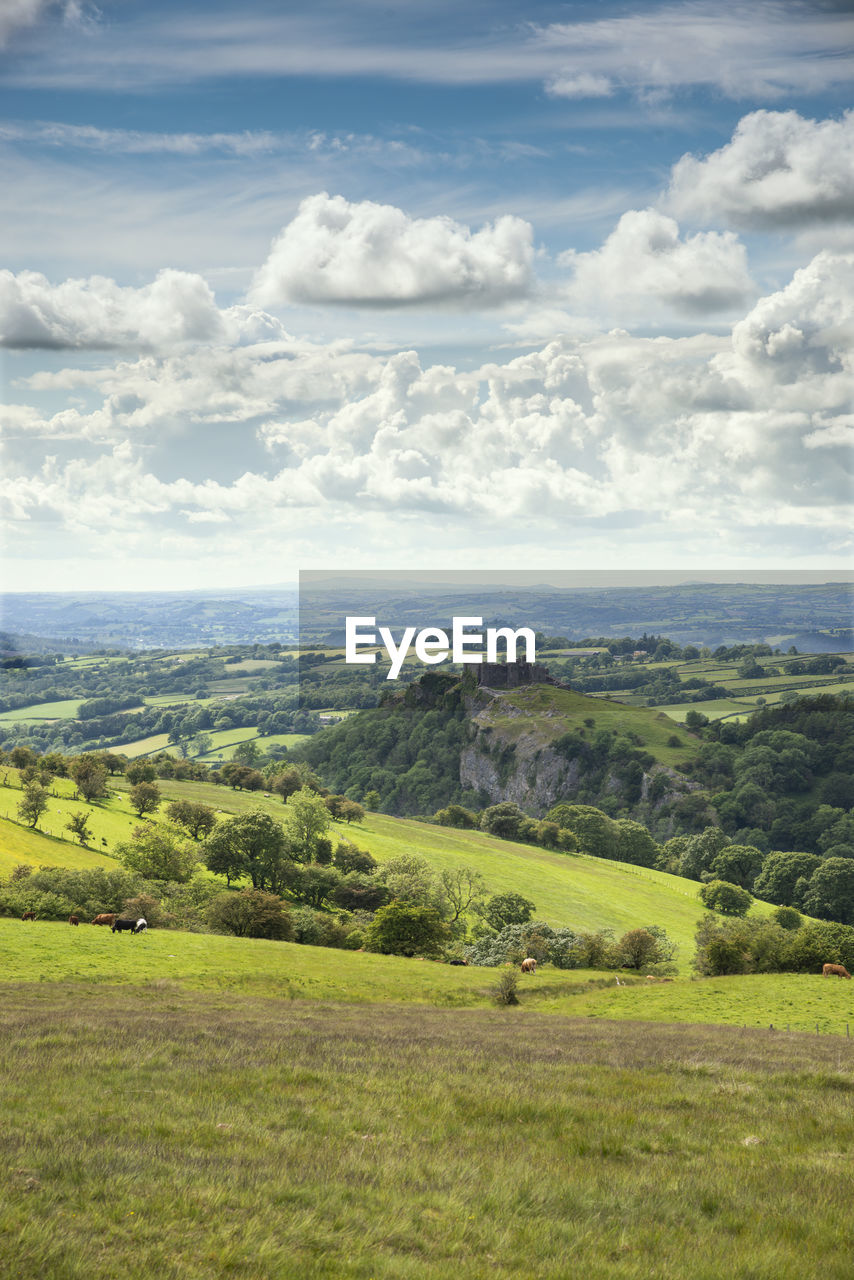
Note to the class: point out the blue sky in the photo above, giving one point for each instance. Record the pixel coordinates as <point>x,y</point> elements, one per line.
<point>289,286</point>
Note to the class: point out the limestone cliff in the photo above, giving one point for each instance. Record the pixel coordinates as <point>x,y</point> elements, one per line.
<point>512,755</point>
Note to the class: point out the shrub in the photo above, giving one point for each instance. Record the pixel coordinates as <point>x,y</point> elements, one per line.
<point>728,899</point>
<point>147,906</point>
<point>787,917</point>
<point>402,929</point>
<point>504,991</point>
<point>456,816</point>
<point>251,913</point>
<point>318,928</point>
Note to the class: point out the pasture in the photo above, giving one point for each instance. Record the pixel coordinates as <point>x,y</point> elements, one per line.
<point>276,1140</point>
<point>53,952</point>
<point>567,889</point>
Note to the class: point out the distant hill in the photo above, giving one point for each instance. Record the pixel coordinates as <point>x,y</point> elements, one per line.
<point>816,617</point>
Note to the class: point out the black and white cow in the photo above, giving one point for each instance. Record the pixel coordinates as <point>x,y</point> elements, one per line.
<point>124,923</point>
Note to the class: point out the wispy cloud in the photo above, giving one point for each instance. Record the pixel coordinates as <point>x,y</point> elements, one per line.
<point>764,49</point>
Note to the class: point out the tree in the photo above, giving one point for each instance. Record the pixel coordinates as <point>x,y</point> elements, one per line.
<point>700,852</point>
<point>196,818</point>
<point>456,816</point>
<point>251,914</point>
<point>505,909</point>
<point>144,797</point>
<point>738,864</point>
<point>355,892</point>
<point>158,853</point>
<point>289,780</point>
<point>248,753</point>
<point>140,771</point>
<point>33,804</point>
<point>504,820</point>
<point>787,917</point>
<point>831,891</point>
<point>371,800</point>
<point>638,949</point>
<point>90,777</point>
<point>406,930</point>
<point>78,825</point>
<point>253,844</point>
<point>728,899</point>
<point>307,820</point>
<point>780,875</point>
<point>348,858</point>
<point>201,744</point>
<point>463,887</point>
<point>313,884</point>
<point>635,844</point>
<point>596,833</point>
<point>410,879</point>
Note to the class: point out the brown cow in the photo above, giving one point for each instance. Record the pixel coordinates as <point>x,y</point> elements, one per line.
<point>28,915</point>
<point>529,965</point>
<point>109,919</point>
<point>837,970</point>
<point>73,919</point>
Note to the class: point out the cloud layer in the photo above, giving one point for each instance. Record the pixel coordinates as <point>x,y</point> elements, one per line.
<point>716,436</point>
<point>369,254</point>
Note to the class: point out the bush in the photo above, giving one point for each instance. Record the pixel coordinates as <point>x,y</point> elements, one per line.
<point>787,917</point>
<point>147,906</point>
<point>402,929</point>
<point>318,928</point>
<point>504,990</point>
<point>250,913</point>
<point>63,891</point>
<point>728,899</point>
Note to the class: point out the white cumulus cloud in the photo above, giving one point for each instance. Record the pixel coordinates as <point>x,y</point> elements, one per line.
<point>778,170</point>
<point>176,307</point>
<point>368,254</point>
<point>643,260</point>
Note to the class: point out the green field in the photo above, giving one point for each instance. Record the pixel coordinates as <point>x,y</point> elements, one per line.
<point>52,952</point>
<point>64,710</point>
<point>575,890</point>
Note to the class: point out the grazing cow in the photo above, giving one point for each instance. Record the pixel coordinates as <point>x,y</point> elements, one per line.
<point>141,925</point>
<point>529,965</point>
<point>107,918</point>
<point>28,915</point>
<point>834,970</point>
<point>73,919</point>
<point>123,923</point>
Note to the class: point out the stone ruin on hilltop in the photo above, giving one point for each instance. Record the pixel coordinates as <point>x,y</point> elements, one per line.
<point>510,675</point>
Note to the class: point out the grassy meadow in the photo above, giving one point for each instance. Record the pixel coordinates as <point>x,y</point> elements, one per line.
<point>53,952</point>
<point>194,1136</point>
<point>567,889</point>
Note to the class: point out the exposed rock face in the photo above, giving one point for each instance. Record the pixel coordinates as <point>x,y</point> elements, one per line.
<point>506,763</point>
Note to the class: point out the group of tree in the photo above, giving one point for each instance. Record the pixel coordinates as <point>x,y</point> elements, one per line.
<point>783,944</point>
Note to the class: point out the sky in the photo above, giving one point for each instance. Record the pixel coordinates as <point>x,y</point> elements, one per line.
<point>385,284</point>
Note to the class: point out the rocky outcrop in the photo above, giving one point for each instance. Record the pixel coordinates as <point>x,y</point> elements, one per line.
<point>508,760</point>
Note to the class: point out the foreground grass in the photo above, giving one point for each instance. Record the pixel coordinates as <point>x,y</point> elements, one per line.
<point>49,952</point>
<point>196,1137</point>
